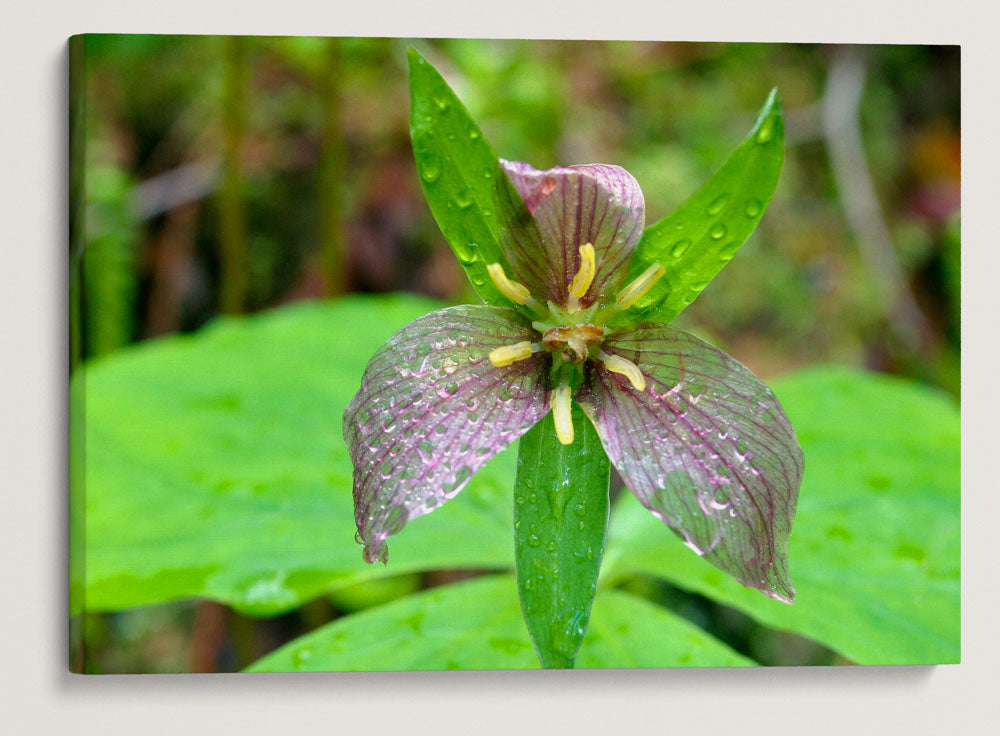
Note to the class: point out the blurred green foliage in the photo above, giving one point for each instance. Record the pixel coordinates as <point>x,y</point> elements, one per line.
<point>326,132</point>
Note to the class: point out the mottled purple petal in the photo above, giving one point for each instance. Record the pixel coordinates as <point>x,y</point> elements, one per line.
<point>432,410</point>
<point>572,205</point>
<point>706,447</point>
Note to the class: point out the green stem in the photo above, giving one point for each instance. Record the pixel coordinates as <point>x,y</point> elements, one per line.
<point>232,226</point>
<point>331,170</point>
<point>560,526</point>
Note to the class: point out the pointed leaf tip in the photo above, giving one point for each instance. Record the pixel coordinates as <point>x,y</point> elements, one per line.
<point>457,168</point>
<point>414,56</point>
<point>700,237</point>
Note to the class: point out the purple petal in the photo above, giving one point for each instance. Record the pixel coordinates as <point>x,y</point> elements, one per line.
<point>572,205</point>
<point>432,410</point>
<point>706,447</point>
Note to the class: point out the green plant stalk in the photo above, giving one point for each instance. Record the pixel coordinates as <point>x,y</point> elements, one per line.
<point>560,529</point>
<point>232,226</point>
<point>331,169</point>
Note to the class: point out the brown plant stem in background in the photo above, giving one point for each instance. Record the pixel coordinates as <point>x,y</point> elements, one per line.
<point>208,636</point>
<point>331,169</point>
<point>170,267</point>
<point>232,224</point>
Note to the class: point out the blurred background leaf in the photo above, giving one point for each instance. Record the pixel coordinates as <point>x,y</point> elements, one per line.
<point>215,466</point>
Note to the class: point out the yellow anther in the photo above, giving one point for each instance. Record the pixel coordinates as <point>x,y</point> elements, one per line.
<point>624,366</point>
<point>511,353</point>
<point>632,293</point>
<point>517,293</point>
<point>562,413</point>
<point>585,276</point>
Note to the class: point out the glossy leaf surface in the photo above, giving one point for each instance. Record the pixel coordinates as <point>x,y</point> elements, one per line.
<point>875,549</point>
<point>560,525</point>
<point>215,465</point>
<point>477,625</point>
<point>701,236</point>
<point>459,173</point>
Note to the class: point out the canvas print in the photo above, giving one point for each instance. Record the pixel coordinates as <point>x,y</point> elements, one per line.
<point>470,354</point>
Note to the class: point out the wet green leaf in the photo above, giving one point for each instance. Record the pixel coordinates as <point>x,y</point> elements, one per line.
<point>701,236</point>
<point>477,625</point>
<point>459,173</point>
<point>215,465</point>
<point>560,524</point>
<point>875,548</point>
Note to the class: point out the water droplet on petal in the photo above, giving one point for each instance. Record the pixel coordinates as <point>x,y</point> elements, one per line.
<point>718,231</point>
<point>753,207</point>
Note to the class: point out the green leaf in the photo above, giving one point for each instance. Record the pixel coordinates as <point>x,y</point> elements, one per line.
<point>459,173</point>
<point>875,543</point>
<point>215,465</point>
<point>477,625</point>
<point>560,525</point>
<point>701,236</point>
<point>627,631</point>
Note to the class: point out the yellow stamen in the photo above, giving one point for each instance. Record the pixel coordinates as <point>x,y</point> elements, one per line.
<point>624,366</point>
<point>511,353</point>
<point>517,293</point>
<point>634,291</point>
<point>562,413</point>
<point>585,276</point>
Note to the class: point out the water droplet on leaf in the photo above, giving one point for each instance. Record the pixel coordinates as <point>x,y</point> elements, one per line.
<point>680,248</point>
<point>729,250</point>
<point>766,131</point>
<point>430,168</point>
<point>464,198</point>
<point>717,204</point>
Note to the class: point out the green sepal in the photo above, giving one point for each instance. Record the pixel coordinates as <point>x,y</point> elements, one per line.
<point>701,236</point>
<point>560,528</point>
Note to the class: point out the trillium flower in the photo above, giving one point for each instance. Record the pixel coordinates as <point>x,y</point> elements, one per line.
<point>701,442</point>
